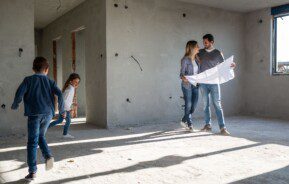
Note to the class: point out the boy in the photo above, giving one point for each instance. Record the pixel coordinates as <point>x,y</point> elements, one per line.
<point>38,93</point>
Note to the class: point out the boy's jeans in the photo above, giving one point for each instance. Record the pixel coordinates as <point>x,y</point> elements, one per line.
<point>37,127</point>
<point>191,96</point>
<point>214,91</point>
<point>60,120</point>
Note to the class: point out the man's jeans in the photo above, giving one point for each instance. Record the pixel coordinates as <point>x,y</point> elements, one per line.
<point>37,127</point>
<point>191,96</point>
<point>60,120</point>
<point>214,91</point>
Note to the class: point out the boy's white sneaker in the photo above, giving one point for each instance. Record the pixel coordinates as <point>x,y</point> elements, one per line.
<point>49,163</point>
<point>68,136</point>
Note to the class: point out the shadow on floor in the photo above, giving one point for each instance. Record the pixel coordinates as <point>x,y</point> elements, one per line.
<point>79,149</point>
<point>279,176</point>
<point>163,162</point>
<point>254,129</point>
<point>253,132</point>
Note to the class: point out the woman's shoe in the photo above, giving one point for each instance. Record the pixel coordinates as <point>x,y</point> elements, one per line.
<point>207,128</point>
<point>191,128</point>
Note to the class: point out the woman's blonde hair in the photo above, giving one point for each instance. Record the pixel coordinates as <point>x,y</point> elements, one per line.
<point>189,47</point>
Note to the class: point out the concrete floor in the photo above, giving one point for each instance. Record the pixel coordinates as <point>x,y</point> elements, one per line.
<point>258,152</point>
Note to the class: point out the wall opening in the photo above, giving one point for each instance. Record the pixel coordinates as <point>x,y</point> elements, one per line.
<point>57,66</point>
<point>78,66</point>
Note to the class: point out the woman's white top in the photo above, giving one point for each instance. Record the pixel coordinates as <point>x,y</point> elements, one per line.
<point>196,67</point>
<point>68,96</point>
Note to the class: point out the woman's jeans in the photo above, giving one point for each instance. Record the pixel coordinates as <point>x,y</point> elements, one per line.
<point>191,96</point>
<point>37,127</point>
<point>214,91</point>
<point>60,120</point>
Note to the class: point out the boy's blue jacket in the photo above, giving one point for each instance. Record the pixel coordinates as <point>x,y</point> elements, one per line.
<point>38,93</point>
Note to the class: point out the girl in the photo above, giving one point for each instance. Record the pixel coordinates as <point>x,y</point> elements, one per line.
<point>189,66</point>
<point>68,94</point>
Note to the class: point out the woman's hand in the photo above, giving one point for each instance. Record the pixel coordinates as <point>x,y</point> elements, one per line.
<point>185,80</point>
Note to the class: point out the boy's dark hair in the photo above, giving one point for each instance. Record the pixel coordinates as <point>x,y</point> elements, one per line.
<point>40,64</point>
<point>209,37</point>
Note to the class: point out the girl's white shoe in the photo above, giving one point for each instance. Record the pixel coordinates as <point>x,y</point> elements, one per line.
<point>68,136</point>
<point>184,125</point>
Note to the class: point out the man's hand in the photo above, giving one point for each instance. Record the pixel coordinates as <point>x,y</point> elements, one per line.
<point>233,65</point>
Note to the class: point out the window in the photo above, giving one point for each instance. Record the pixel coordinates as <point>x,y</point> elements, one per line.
<point>280,53</point>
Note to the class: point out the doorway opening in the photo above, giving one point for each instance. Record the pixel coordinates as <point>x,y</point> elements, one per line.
<point>57,65</point>
<point>78,66</point>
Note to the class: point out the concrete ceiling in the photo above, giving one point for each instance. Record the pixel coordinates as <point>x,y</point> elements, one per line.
<point>46,11</point>
<point>239,5</point>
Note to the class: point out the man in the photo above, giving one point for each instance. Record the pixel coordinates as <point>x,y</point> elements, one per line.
<point>209,57</point>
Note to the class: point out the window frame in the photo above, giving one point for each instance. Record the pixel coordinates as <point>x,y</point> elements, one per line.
<point>274,44</point>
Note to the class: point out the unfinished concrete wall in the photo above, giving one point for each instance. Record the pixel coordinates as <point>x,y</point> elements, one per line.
<point>266,95</point>
<point>17,31</point>
<point>155,32</point>
<point>59,58</point>
<point>91,15</point>
<point>37,40</point>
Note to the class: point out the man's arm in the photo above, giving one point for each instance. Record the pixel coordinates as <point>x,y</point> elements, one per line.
<point>19,95</point>
<point>58,93</point>
<point>233,65</point>
<point>222,58</point>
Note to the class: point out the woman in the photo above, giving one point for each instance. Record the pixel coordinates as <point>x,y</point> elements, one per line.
<point>68,94</point>
<point>189,66</point>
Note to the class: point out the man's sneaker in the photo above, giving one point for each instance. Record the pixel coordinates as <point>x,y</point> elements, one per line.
<point>225,132</point>
<point>68,136</point>
<point>49,163</point>
<point>30,177</point>
<point>207,128</point>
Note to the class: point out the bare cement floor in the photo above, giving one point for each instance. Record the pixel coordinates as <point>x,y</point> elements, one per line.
<point>257,152</point>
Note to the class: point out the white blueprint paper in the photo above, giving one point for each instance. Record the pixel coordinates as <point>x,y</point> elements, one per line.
<point>220,74</point>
